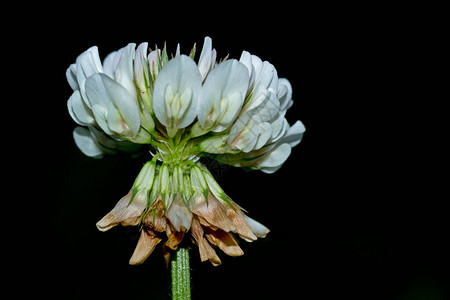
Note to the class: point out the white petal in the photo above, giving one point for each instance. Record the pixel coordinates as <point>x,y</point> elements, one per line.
<point>257,64</point>
<point>230,105</point>
<point>124,103</point>
<point>88,63</point>
<point>257,228</point>
<point>79,111</point>
<point>100,114</point>
<point>104,141</point>
<point>222,95</point>
<point>294,134</point>
<point>204,62</point>
<point>153,59</point>
<point>98,99</point>
<point>244,133</point>
<point>141,71</point>
<point>71,75</point>
<point>267,109</point>
<point>177,52</point>
<point>70,108</point>
<point>270,170</point>
<point>124,71</point>
<point>265,132</point>
<point>184,100</point>
<point>182,75</point>
<point>116,123</point>
<point>284,94</point>
<point>213,58</point>
<point>96,92</point>
<point>86,143</point>
<point>104,94</point>
<point>266,80</point>
<point>275,157</point>
<point>246,59</point>
<point>110,63</point>
<point>96,58</point>
<point>278,127</point>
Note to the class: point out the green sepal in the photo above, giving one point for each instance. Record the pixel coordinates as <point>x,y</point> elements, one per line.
<point>166,185</point>
<point>198,181</point>
<point>214,187</point>
<point>171,131</point>
<point>197,130</point>
<point>192,53</point>
<point>134,192</point>
<point>142,137</point>
<point>164,56</point>
<point>215,144</point>
<point>177,180</point>
<point>144,180</point>
<point>155,190</point>
<point>187,191</point>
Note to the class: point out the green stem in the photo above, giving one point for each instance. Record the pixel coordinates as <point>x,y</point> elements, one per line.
<point>181,280</point>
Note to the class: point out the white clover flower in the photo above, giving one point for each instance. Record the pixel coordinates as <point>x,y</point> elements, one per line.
<point>180,110</point>
<point>222,96</point>
<point>175,97</point>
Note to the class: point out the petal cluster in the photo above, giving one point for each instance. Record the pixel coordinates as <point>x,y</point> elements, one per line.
<point>231,110</point>
<point>171,202</point>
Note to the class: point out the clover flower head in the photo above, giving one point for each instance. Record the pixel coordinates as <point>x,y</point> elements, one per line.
<point>231,110</point>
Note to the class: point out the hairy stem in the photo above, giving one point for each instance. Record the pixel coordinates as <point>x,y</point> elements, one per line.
<point>181,280</point>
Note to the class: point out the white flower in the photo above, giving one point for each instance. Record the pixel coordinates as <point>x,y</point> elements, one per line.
<point>119,66</point>
<point>260,138</point>
<point>105,96</point>
<point>95,143</point>
<point>272,156</point>
<point>262,107</point>
<point>179,110</point>
<point>114,109</point>
<point>222,95</point>
<point>175,97</point>
<point>242,103</point>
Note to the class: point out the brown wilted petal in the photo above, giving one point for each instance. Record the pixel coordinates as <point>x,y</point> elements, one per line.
<point>146,244</point>
<point>225,242</point>
<point>124,213</point>
<point>205,249</point>
<point>166,254</point>
<point>174,238</point>
<point>155,218</point>
<point>236,215</point>
<point>179,215</point>
<point>212,211</point>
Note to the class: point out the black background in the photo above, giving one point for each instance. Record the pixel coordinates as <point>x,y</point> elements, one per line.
<point>351,213</point>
